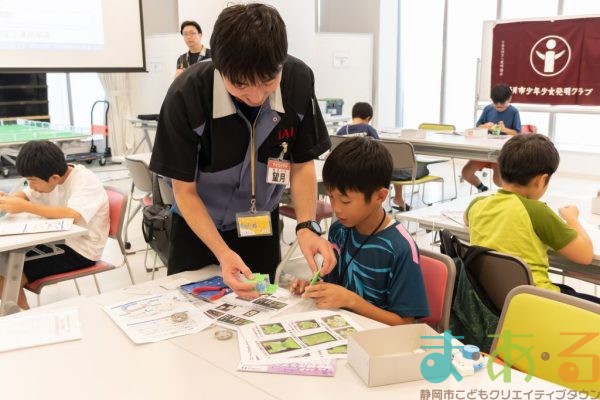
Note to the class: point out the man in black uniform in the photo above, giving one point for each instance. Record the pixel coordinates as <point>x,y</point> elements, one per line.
<point>219,125</point>
<point>192,35</point>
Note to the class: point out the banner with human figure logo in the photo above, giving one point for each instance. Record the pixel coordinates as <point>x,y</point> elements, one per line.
<point>549,62</point>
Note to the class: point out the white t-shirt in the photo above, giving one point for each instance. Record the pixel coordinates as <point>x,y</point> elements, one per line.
<point>83,192</point>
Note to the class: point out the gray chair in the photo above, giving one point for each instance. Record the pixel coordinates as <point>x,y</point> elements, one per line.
<point>498,274</point>
<point>141,180</point>
<point>403,157</point>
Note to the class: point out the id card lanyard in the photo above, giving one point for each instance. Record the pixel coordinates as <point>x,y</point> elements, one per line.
<point>253,222</point>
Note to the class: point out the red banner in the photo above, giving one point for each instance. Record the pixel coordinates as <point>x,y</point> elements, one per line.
<point>549,62</point>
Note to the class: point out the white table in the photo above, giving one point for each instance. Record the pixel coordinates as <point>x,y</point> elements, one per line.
<point>433,218</point>
<point>146,126</point>
<point>105,364</point>
<point>12,257</point>
<point>224,356</point>
<point>445,144</point>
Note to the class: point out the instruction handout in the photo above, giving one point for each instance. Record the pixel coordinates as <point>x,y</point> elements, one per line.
<point>314,333</point>
<point>16,226</point>
<point>158,317</point>
<point>29,330</point>
<point>232,311</point>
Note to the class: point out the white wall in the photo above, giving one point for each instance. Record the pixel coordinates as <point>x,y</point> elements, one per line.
<point>148,89</point>
<point>299,17</point>
<point>350,81</point>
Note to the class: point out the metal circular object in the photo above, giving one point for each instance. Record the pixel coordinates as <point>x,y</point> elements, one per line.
<point>223,334</point>
<point>179,317</point>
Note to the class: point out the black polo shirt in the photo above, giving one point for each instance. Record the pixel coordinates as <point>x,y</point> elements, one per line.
<point>203,137</point>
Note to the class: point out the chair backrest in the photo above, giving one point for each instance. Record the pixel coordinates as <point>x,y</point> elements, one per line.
<point>528,128</point>
<point>498,274</point>
<point>403,154</point>
<point>140,174</point>
<point>117,204</point>
<point>437,127</point>
<point>336,140</point>
<point>553,336</point>
<point>439,274</point>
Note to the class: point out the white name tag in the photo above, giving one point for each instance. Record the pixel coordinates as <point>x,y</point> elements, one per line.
<point>278,171</point>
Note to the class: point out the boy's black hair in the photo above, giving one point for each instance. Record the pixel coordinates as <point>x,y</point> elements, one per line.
<point>358,164</point>
<point>524,157</point>
<point>249,43</point>
<point>190,23</point>
<point>41,159</point>
<point>362,110</point>
<point>501,93</point>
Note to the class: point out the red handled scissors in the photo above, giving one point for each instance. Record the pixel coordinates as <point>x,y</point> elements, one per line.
<point>221,291</point>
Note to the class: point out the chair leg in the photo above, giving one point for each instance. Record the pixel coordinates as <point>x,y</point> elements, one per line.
<point>455,182</point>
<point>77,286</point>
<point>97,285</point>
<point>128,212</point>
<point>284,260</point>
<point>128,269</point>
<point>153,265</point>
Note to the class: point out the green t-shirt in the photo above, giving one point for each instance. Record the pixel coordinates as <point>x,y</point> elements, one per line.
<point>512,224</point>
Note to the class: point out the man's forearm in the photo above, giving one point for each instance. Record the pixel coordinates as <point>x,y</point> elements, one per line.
<point>303,183</point>
<point>52,212</point>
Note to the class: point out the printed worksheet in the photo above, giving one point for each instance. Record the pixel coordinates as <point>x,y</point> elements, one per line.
<point>234,312</point>
<point>15,226</point>
<point>313,333</point>
<point>158,317</point>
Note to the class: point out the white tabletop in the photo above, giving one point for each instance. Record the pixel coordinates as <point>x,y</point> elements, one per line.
<point>448,144</point>
<point>433,218</point>
<point>15,242</point>
<point>224,356</point>
<point>105,364</point>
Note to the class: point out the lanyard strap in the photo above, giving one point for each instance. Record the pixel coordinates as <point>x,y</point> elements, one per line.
<point>344,270</point>
<point>252,164</point>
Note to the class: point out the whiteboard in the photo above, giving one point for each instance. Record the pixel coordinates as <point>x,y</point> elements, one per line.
<point>147,90</point>
<point>344,68</point>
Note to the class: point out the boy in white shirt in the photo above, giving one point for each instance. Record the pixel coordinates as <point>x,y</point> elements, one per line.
<point>59,190</point>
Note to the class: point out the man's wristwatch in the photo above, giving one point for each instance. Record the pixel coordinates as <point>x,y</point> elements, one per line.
<point>312,225</point>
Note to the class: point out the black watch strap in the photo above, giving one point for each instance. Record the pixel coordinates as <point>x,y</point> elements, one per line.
<point>312,225</point>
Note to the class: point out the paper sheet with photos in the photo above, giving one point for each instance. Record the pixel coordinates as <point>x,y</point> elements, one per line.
<point>234,312</point>
<point>312,334</point>
<point>158,317</point>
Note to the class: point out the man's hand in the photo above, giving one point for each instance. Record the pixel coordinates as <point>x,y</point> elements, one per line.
<point>12,204</point>
<point>312,244</point>
<point>298,286</point>
<point>329,295</point>
<point>231,267</point>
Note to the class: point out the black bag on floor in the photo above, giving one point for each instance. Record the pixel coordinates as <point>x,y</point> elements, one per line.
<point>156,223</point>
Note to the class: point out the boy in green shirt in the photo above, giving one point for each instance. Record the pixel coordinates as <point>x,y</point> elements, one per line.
<point>514,221</point>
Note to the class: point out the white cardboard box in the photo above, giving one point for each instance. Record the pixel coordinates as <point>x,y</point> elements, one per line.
<point>392,354</point>
<point>476,132</point>
<point>413,133</point>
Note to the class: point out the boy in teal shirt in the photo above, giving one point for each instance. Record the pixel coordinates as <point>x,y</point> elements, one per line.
<point>377,274</point>
<point>514,221</point>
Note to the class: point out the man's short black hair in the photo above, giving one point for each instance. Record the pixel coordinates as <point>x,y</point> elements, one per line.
<point>362,110</point>
<point>41,159</point>
<point>249,43</point>
<point>501,93</point>
<point>190,23</point>
<point>359,164</point>
<point>526,156</point>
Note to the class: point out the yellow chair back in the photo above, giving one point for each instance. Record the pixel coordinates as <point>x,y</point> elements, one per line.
<point>437,127</point>
<point>561,331</point>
